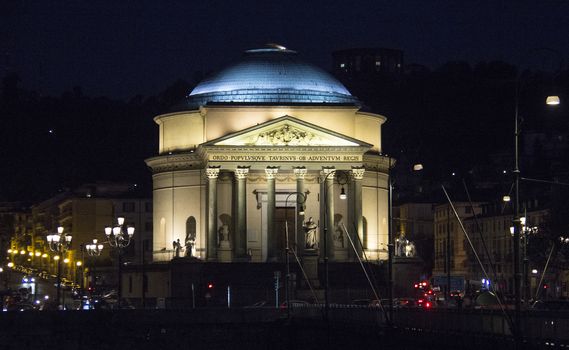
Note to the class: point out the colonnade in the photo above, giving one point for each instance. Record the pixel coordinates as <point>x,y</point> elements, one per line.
<point>240,235</point>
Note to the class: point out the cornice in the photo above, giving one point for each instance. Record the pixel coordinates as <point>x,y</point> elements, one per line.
<point>178,161</point>
<point>378,162</point>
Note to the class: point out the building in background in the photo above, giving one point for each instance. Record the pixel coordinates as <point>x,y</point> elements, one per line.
<point>84,213</point>
<point>367,61</point>
<point>451,246</point>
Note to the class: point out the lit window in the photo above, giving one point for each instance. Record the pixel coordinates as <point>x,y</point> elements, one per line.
<point>377,63</point>
<point>342,65</point>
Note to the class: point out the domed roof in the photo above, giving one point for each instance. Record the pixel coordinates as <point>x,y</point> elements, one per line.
<point>271,75</point>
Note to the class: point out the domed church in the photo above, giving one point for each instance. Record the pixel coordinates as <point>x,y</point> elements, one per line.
<point>268,149</point>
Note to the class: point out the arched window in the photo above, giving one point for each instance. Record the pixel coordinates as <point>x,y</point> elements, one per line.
<point>191,229</point>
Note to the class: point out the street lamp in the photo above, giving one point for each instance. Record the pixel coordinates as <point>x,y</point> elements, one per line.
<point>525,232</point>
<point>59,243</point>
<point>119,237</point>
<point>551,100</point>
<point>300,200</point>
<point>94,250</point>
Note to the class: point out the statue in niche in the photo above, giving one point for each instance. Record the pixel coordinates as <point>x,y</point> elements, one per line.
<point>190,244</point>
<point>338,232</point>
<point>223,233</point>
<point>310,233</point>
<point>177,247</point>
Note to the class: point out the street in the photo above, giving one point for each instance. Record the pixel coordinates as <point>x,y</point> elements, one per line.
<point>40,290</point>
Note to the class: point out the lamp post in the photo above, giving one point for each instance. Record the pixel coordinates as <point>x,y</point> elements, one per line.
<point>527,231</point>
<point>93,250</point>
<point>119,237</point>
<point>59,243</point>
<point>300,200</point>
<point>343,196</point>
<point>517,224</point>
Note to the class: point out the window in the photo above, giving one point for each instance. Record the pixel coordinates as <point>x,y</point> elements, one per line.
<point>468,210</point>
<point>191,229</point>
<point>148,226</point>
<point>128,207</point>
<point>148,207</point>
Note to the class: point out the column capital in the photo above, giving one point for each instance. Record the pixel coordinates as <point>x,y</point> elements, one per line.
<point>300,172</point>
<point>358,172</point>
<point>271,172</point>
<point>241,172</point>
<point>212,172</point>
<point>327,170</point>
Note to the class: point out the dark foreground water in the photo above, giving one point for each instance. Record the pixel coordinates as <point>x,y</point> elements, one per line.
<point>172,330</point>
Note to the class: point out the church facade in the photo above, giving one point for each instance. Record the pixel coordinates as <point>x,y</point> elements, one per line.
<point>270,153</point>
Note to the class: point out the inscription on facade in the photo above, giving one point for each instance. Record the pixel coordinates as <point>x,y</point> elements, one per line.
<point>284,158</point>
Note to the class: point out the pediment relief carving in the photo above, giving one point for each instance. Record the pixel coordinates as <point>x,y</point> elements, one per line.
<point>286,134</point>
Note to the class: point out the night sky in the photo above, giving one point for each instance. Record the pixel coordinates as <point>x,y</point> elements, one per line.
<point>123,48</point>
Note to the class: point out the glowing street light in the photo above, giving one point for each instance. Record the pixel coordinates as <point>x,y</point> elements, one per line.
<point>94,250</point>
<point>59,243</point>
<point>119,237</point>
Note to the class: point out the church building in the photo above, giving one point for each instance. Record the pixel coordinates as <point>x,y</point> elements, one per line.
<point>270,148</point>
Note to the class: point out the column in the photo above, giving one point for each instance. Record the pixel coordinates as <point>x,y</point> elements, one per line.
<point>241,213</point>
<point>272,253</point>
<point>212,175</point>
<point>327,242</point>
<point>300,173</point>
<point>358,236</point>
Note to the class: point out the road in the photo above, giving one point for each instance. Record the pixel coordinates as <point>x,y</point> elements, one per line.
<point>40,289</point>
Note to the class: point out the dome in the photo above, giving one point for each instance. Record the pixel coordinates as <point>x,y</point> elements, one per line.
<point>272,75</point>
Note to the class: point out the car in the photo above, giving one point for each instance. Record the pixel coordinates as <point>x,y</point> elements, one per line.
<point>77,293</point>
<point>22,306</point>
<point>28,279</point>
<point>94,304</point>
<point>426,303</point>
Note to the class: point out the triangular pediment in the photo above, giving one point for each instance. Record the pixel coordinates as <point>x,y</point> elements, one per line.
<point>287,131</point>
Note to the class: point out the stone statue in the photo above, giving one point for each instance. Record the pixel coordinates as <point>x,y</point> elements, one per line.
<point>310,233</point>
<point>177,246</point>
<point>223,233</point>
<point>338,232</point>
<point>190,244</point>
<point>410,250</point>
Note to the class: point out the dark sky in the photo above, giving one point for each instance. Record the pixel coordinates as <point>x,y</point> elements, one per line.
<point>121,48</point>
